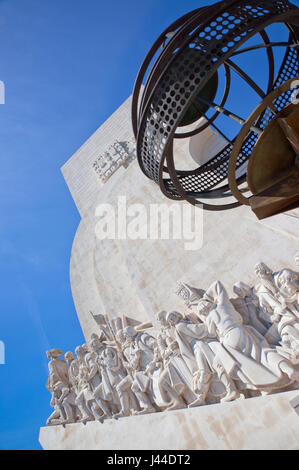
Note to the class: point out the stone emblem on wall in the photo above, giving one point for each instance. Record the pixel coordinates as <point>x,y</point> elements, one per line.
<point>118,154</point>
<point>223,349</point>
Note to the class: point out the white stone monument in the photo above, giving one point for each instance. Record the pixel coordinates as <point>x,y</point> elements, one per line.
<point>190,343</point>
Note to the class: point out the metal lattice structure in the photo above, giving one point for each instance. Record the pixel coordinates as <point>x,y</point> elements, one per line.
<point>193,50</point>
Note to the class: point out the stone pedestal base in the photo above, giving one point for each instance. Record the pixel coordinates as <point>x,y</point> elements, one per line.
<point>269,422</point>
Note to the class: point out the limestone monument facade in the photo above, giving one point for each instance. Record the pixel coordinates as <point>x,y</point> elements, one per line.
<point>198,346</point>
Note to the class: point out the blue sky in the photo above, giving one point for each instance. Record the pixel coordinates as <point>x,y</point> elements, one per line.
<point>67,65</point>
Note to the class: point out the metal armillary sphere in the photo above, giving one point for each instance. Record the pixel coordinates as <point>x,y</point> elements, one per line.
<point>181,87</point>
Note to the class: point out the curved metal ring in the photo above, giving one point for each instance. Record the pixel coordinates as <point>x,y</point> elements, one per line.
<point>286,86</point>
<point>155,134</point>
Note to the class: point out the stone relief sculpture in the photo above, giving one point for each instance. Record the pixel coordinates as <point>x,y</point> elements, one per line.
<point>252,363</point>
<point>118,154</point>
<point>223,349</point>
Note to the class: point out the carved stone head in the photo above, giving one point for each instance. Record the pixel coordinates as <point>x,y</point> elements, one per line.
<point>94,336</point>
<point>95,342</point>
<point>130,333</point>
<point>69,357</point>
<point>173,318</point>
<point>94,345</point>
<point>287,282</point>
<point>241,289</point>
<point>54,353</point>
<point>262,270</point>
<point>161,317</point>
<point>80,351</point>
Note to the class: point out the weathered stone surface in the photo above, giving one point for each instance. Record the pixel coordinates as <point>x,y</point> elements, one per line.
<point>268,422</point>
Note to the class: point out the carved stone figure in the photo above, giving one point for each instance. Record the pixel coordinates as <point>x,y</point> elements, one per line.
<point>64,403</point>
<point>58,415</point>
<point>139,352</point>
<point>63,397</point>
<point>74,379</point>
<point>200,354</point>
<point>122,376</point>
<point>174,377</point>
<point>84,400</point>
<point>73,370</point>
<point>120,382</point>
<point>100,388</point>
<point>58,371</point>
<point>287,282</point>
<point>247,304</point>
<point>255,365</point>
<point>266,290</point>
<point>287,319</point>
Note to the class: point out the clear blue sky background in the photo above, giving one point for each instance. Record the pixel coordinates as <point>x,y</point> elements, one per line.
<point>67,65</point>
